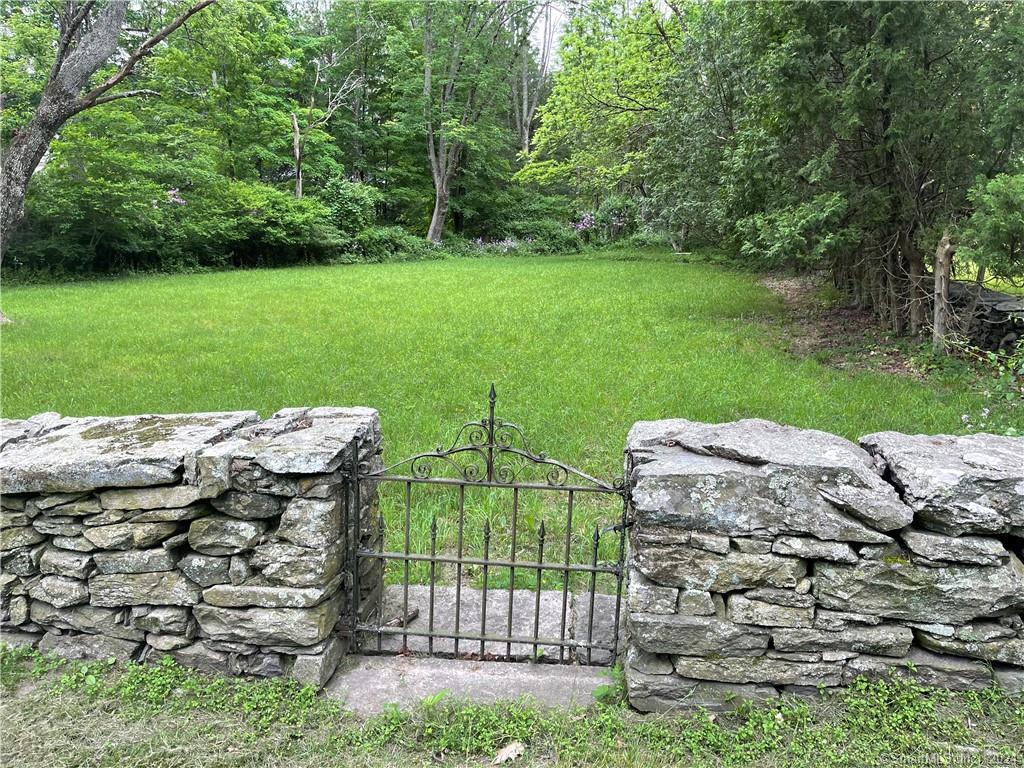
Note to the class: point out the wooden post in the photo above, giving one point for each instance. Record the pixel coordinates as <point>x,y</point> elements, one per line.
<point>943,263</point>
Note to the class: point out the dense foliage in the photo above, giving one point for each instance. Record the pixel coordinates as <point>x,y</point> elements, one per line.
<point>844,135</point>
<point>253,92</point>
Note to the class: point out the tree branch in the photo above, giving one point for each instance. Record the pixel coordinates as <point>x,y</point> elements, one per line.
<point>91,98</point>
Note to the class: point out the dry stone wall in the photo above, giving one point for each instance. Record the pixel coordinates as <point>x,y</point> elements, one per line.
<point>219,539</point>
<point>767,559</point>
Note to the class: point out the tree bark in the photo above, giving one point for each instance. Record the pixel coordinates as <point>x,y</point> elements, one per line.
<point>917,292</point>
<point>441,198</point>
<point>297,154</point>
<point>943,260</point>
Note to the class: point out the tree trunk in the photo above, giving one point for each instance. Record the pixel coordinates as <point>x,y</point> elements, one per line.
<point>437,220</point>
<point>20,160</point>
<point>297,154</point>
<point>943,260</point>
<point>917,292</point>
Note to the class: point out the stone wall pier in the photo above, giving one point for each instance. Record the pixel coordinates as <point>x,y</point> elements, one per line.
<point>218,539</point>
<point>768,560</point>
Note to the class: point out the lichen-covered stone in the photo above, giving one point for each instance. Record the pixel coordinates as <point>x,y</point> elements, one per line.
<point>814,549</point>
<point>60,591</point>
<point>239,570</point>
<point>170,515</point>
<point>648,663</point>
<point>1010,680</point>
<point>695,602</point>
<point>979,550</point>
<point>166,619</point>
<point>709,542</point>
<point>167,642</point>
<point>134,561</point>
<point>23,561</point>
<point>1006,650</point>
<point>84,618</point>
<point>691,568</point>
<point>129,535</point>
<point>294,566</point>
<point>57,526</point>
<point>268,596</point>
<point>882,640</point>
<point>158,588</point>
<point>89,647</point>
<point>311,522</point>
<point>758,669</point>
<point>644,596</point>
<point>125,451</point>
<point>14,518</point>
<point>205,570</point>
<point>753,478</point>
<point>74,543</point>
<point>200,656</point>
<point>248,506</point>
<point>20,536</point>
<point>316,669</point>
<point>742,610</point>
<point>63,562</point>
<point>669,693</point>
<point>957,484</point>
<point>269,626</point>
<point>18,610</point>
<point>152,498</point>
<point>899,589</point>
<point>78,507</point>
<point>931,669</point>
<point>674,633</point>
<point>223,535</point>
<point>984,631</point>
<point>320,447</point>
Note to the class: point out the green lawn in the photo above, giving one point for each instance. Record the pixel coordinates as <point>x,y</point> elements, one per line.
<point>579,349</point>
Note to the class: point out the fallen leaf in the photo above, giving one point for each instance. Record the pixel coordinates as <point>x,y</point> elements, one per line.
<point>508,753</point>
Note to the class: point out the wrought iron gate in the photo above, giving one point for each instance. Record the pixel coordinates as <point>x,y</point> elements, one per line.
<point>578,578</point>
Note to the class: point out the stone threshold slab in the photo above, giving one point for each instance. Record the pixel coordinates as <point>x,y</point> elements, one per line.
<point>367,684</point>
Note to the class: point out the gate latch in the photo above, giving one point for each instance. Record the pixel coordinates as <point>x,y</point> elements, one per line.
<point>618,527</point>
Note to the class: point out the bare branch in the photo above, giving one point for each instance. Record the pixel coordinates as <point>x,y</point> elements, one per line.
<point>124,95</point>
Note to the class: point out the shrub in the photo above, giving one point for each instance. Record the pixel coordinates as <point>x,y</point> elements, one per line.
<point>380,244</point>
<point>352,205</point>
<point>994,234</point>
<point>617,215</point>
<point>112,225</point>
<point>546,236</point>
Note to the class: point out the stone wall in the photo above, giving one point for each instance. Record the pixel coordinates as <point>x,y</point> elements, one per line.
<point>988,319</point>
<point>767,559</point>
<point>219,539</point>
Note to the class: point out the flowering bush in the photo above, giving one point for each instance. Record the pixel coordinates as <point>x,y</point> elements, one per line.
<point>585,223</point>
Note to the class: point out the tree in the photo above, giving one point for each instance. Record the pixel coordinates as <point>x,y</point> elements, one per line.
<point>469,52</point>
<point>597,124</point>
<point>88,34</point>
<point>87,39</point>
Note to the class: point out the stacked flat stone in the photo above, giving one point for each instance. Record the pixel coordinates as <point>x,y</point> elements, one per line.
<point>767,559</point>
<point>215,538</point>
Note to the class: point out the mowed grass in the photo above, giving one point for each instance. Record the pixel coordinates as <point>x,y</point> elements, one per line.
<point>579,348</point>
<point>164,716</point>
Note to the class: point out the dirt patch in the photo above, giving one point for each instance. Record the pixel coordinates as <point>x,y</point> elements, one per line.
<point>820,326</point>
